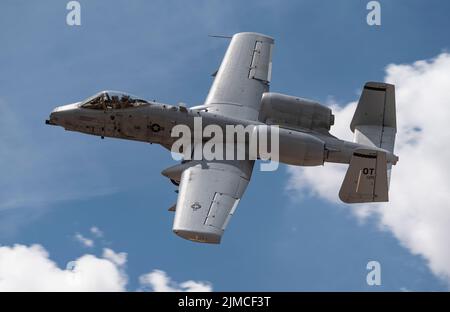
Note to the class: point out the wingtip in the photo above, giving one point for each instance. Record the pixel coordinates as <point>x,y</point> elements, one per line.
<point>199,237</point>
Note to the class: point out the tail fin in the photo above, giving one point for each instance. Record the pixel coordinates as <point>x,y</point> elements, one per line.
<point>366,178</point>
<point>374,125</point>
<point>374,122</point>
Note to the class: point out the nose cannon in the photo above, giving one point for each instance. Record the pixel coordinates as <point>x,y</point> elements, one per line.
<point>49,122</point>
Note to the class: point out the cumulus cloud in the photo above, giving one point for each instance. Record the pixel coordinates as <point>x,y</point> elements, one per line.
<point>117,258</point>
<point>29,268</point>
<point>96,232</point>
<point>86,242</point>
<point>418,213</point>
<point>159,281</point>
<point>24,268</point>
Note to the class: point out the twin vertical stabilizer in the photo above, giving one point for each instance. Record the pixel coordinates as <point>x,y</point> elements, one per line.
<point>374,125</point>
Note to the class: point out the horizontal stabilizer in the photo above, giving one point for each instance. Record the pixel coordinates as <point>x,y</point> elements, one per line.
<point>366,179</point>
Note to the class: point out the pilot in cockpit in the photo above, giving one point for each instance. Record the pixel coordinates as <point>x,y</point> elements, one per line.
<point>112,100</point>
<point>125,101</point>
<point>115,102</point>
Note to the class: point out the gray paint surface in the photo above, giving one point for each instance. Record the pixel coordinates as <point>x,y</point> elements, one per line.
<point>210,190</point>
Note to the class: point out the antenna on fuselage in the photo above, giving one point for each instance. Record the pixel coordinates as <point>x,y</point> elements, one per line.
<point>220,36</point>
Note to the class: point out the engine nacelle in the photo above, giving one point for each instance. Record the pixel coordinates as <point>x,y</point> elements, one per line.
<point>301,149</point>
<point>294,147</point>
<point>294,112</point>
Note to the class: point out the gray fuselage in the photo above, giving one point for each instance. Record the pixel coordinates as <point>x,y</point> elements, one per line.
<point>153,123</point>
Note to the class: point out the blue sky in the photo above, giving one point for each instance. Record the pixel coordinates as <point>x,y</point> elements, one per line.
<point>58,183</point>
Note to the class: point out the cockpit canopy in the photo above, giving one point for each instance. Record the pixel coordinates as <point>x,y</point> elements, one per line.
<point>112,100</point>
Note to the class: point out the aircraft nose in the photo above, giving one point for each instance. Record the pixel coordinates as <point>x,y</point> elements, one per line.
<point>53,119</point>
<point>57,115</point>
<point>65,108</point>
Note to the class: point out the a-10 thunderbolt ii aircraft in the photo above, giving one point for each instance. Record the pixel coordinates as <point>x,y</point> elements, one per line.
<point>210,190</point>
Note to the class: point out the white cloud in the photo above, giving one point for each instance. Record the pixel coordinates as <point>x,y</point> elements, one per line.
<point>418,213</point>
<point>96,232</point>
<point>24,268</point>
<point>159,281</point>
<point>86,242</point>
<point>118,258</point>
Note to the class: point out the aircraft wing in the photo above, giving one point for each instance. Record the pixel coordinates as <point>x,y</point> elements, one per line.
<point>243,77</point>
<point>209,193</point>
